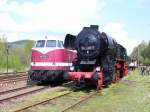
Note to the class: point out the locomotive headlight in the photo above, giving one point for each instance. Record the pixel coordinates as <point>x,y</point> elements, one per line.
<point>72,68</point>
<point>98,69</point>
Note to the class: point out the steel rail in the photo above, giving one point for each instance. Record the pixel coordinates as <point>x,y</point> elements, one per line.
<point>47,100</point>
<point>42,102</point>
<point>6,77</point>
<point>14,90</point>
<point>11,76</point>
<point>11,73</point>
<point>22,94</point>
<point>80,101</point>
<point>14,79</point>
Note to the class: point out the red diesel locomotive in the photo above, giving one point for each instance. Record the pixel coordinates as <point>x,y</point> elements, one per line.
<point>50,61</point>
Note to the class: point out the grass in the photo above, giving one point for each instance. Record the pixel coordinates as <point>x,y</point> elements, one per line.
<point>50,107</point>
<point>61,103</point>
<point>121,97</point>
<point>136,76</point>
<point>28,100</point>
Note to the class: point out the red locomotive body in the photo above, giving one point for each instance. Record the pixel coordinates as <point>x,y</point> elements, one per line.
<point>49,61</point>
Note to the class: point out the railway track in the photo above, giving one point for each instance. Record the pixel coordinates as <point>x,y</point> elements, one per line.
<point>12,72</point>
<point>60,99</point>
<point>13,90</point>
<point>14,78</point>
<point>11,94</point>
<point>7,80</point>
<point>11,75</point>
<point>16,93</point>
<point>78,102</point>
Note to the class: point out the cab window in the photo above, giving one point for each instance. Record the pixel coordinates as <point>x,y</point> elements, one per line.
<point>51,43</point>
<point>40,43</point>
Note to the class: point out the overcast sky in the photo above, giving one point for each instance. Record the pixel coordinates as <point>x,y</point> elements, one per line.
<point>128,21</point>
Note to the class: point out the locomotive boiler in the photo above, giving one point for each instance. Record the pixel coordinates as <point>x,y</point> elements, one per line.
<point>100,59</point>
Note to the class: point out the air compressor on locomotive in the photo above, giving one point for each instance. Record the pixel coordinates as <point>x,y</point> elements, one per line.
<point>100,59</point>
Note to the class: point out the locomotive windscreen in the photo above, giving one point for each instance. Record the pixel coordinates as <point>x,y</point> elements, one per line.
<point>51,43</point>
<point>40,43</point>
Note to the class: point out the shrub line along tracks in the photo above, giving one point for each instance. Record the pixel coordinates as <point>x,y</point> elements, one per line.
<point>56,98</point>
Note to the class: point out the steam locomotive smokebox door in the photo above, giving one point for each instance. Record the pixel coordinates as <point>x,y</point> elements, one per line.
<point>88,42</point>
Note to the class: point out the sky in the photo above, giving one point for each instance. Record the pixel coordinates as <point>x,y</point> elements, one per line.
<point>127,21</point>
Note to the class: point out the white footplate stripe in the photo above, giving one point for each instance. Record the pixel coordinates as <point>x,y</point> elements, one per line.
<point>50,64</point>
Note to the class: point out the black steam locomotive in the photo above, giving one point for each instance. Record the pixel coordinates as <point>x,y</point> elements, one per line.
<point>100,59</point>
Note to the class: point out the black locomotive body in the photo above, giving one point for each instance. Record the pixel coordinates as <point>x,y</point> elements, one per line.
<point>99,57</point>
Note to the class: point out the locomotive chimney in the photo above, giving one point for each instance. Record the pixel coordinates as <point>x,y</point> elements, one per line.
<point>94,27</point>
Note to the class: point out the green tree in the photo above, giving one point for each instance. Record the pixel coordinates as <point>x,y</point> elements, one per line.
<point>28,48</point>
<point>3,53</point>
<point>146,54</point>
<point>138,51</point>
<point>143,52</point>
<point>146,61</point>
